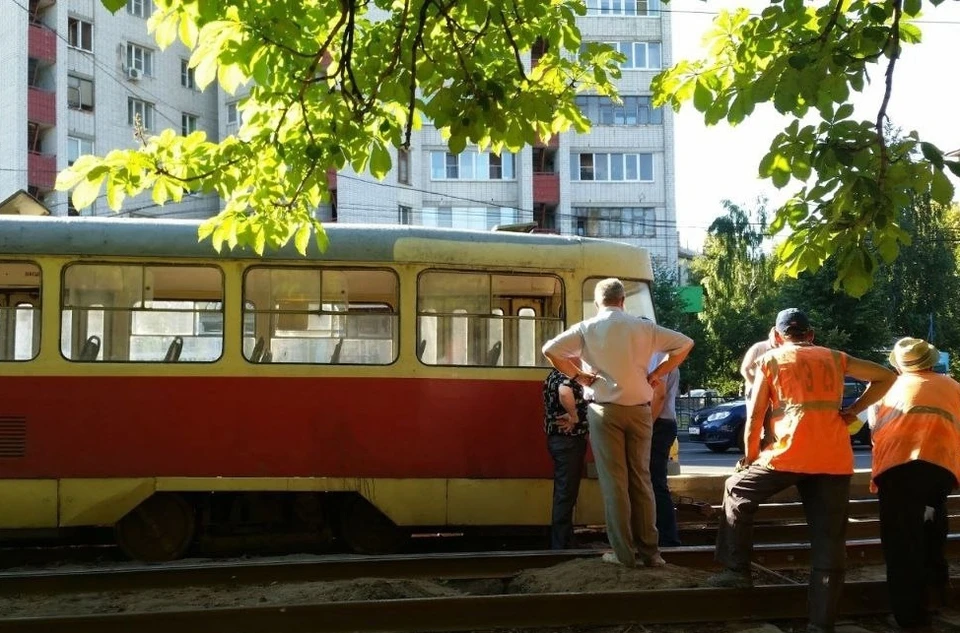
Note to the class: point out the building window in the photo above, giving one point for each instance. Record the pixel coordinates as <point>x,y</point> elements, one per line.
<point>140,8</point>
<point>612,167</point>
<point>187,76</point>
<point>77,147</point>
<point>643,8</point>
<point>142,110</point>
<point>80,93</point>
<point>639,55</point>
<point>80,34</point>
<point>471,165</point>
<point>615,221</point>
<point>140,58</point>
<point>405,215</point>
<point>403,166</point>
<point>471,218</point>
<point>188,124</point>
<point>634,111</point>
<point>233,114</point>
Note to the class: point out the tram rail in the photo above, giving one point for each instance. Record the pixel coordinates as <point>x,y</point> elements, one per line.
<point>766,602</point>
<point>438,566</point>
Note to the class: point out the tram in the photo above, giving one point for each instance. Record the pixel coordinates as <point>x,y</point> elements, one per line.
<point>391,383</point>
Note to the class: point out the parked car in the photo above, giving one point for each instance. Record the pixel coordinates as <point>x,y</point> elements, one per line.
<point>721,427</point>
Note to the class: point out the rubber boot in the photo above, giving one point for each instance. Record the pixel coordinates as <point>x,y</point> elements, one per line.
<point>824,600</point>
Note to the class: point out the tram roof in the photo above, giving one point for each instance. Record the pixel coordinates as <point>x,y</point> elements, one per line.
<point>129,237</point>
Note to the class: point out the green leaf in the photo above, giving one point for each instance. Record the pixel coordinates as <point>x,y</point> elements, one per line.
<point>702,97</point>
<point>932,153</point>
<point>380,162</point>
<point>845,111</point>
<point>941,189</point>
<point>302,238</point>
<point>953,166</point>
<point>87,191</point>
<point>911,7</point>
<point>114,5</point>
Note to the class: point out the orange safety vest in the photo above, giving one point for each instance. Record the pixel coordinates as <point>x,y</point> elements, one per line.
<point>806,393</point>
<point>919,418</point>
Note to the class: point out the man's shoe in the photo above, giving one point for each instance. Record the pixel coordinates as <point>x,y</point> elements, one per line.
<point>611,557</point>
<point>654,561</point>
<point>730,578</point>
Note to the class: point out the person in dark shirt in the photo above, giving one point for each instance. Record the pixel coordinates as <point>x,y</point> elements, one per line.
<point>565,423</point>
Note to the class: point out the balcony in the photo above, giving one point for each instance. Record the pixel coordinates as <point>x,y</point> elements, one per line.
<point>546,188</point>
<point>41,170</point>
<point>41,106</point>
<point>42,44</point>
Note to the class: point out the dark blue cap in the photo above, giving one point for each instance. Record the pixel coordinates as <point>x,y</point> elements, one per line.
<point>792,320</point>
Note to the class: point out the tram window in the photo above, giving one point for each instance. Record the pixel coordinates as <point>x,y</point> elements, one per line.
<point>322,315</point>
<point>487,320</point>
<point>142,313</point>
<point>638,302</point>
<point>19,311</point>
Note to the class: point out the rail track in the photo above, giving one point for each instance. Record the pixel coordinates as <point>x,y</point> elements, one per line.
<point>471,613</point>
<point>778,523</point>
<point>437,566</point>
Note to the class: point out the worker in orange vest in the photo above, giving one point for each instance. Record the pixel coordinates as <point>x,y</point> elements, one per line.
<point>803,386</point>
<point>916,463</point>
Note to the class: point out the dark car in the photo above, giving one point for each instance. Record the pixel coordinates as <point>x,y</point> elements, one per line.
<point>721,427</point>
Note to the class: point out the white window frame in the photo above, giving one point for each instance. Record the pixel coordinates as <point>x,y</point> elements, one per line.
<point>141,58</point>
<point>615,222</point>
<point>600,164</point>
<point>628,8</point>
<point>145,109</point>
<point>404,214</point>
<point>233,114</point>
<point>78,146</point>
<point>403,166</point>
<point>471,165</point>
<point>188,78</point>
<point>79,103</point>
<point>189,123</point>
<point>80,34</point>
<point>140,8</point>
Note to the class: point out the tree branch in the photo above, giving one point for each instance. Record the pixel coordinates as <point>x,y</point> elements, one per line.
<point>513,45</point>
<point>417,44</point>
<point>894,43</point>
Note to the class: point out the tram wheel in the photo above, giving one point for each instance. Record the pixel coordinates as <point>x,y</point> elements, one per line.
<point>366,530</point>
<point>159,529</point>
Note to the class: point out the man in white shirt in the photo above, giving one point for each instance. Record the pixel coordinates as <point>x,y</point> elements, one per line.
<point>609,355</point>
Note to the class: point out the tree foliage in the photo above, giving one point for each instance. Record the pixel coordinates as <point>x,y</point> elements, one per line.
<point>916,295</point>
<point>851,182</point>
<point>739,293</point>
<point>671,313</point>
<point>335,83</point>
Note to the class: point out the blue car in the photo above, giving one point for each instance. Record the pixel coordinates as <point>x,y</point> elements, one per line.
<point>721,427</point>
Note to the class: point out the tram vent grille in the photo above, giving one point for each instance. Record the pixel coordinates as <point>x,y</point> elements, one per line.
<point>13,436</point>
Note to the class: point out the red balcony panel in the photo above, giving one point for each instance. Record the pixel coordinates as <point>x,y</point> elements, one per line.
<point>42,43</point>
<point>41,106</point>
<point>332,179</point>
<point>546,188</point>
<point>41,170</point>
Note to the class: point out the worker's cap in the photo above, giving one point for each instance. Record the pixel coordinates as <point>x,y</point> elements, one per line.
<point>913,354</point>
<point>792,320</point>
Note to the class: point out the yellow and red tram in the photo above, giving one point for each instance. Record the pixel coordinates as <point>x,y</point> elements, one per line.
<point>150,384</point>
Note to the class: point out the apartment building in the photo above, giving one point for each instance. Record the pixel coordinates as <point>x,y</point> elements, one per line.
<point>75,79</point>
<point>616,182</point>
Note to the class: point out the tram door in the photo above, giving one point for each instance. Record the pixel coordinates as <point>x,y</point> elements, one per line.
<point>19,324</point>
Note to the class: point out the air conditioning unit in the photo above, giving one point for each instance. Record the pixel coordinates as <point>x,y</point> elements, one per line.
<point>134,74</point>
